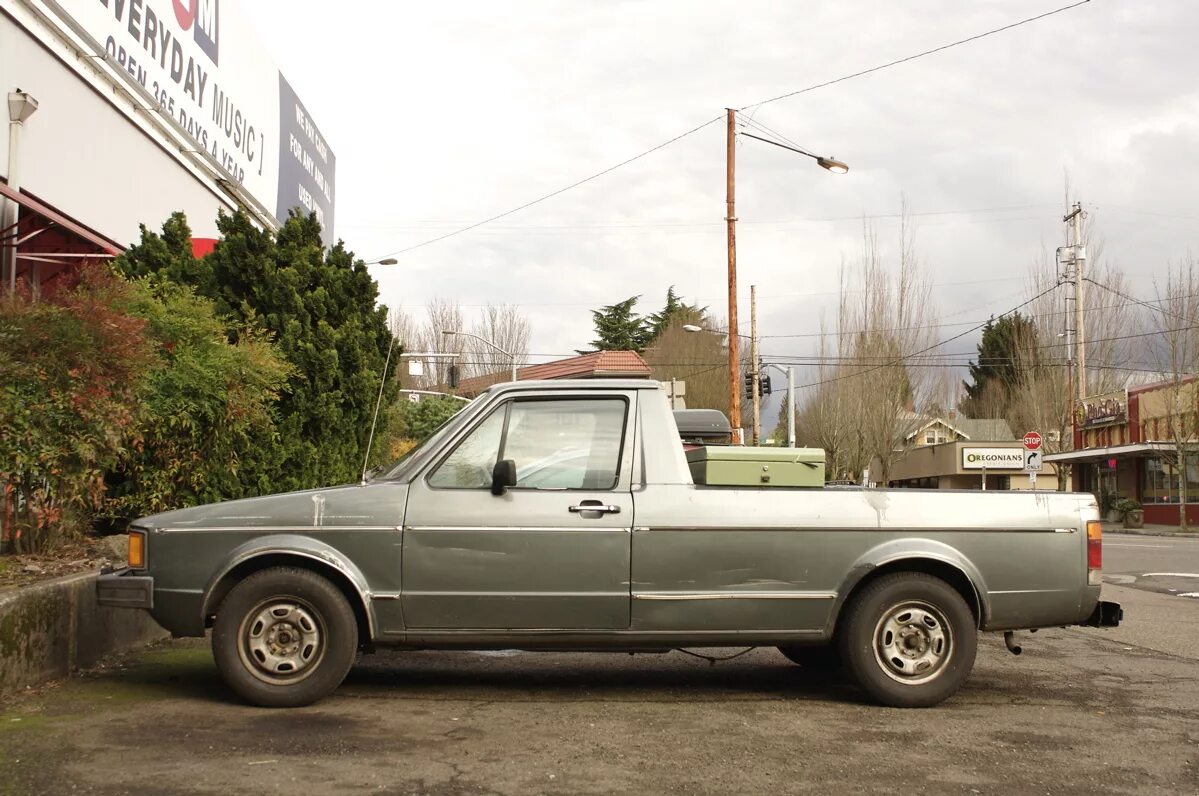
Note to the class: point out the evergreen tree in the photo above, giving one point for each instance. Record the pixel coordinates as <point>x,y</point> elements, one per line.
<point>619,328</point>
<point>320,308</point>
<point>998,369</point>
<point>675,309</point>
<point>658,321</point>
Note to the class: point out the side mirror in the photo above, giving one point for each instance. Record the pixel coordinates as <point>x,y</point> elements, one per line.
<point>503,476</point>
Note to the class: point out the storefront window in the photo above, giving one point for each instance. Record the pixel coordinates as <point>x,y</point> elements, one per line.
<point>1161,480</point>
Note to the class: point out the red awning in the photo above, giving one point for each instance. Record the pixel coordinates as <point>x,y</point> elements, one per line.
<point>48,243</point>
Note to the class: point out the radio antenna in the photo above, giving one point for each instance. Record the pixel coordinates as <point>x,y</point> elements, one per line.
<point>382,382</point>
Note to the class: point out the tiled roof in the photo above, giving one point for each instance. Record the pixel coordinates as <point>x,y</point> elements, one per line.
<point>596,365</point>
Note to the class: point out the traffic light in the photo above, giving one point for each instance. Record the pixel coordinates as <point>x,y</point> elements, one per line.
<point>749,385</point>
<point>766,384</point>
<point>452,377</point>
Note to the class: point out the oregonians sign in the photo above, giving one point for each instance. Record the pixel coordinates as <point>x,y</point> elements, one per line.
<point>1102,410</point>
<point>993,458</point>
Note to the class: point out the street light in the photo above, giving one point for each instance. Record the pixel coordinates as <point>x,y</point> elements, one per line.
<point>790,371</point>
<point>21,105</point>
<point>484,341</point>
<point>384,261</point>
<point>831,164</point>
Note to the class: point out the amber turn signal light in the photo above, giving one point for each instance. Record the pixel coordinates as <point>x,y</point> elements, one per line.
<point>137,550</point>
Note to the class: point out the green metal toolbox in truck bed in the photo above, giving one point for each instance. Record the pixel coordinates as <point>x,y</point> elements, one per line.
<point>741,466</point>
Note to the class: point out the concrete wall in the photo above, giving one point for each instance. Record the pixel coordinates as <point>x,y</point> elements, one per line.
<point>50,629</point>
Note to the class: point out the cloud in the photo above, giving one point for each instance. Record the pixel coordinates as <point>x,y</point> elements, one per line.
<point>443,114</point>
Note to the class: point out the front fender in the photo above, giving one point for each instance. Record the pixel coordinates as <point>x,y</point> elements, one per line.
<point>290,544</point>
<point>913,549</point>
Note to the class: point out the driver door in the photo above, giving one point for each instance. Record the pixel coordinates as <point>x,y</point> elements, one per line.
<point>552,552</point>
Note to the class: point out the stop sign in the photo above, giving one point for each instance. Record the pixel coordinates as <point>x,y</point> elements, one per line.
<point>1032,440</point>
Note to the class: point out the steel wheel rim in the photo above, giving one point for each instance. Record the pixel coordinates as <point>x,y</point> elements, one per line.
<point>282,640</point>
<point>913,642</point>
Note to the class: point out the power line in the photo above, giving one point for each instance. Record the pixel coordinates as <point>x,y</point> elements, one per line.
<point>1145,304</point>
<point>552,194</point>
<point>906,59</point>
<point>958,336</point>
<point>609,225</point>
<point>699,127</point>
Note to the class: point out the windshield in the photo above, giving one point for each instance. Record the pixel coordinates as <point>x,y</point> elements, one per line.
<point>399,470</point>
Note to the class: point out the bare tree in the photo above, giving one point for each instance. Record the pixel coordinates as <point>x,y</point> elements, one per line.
<point>1175,349</point>
<point>440,315</point>
<point>827,418</point>
<point>506,327</point>
<point>697,358</point>
<point>871,377</point>
<point>892,335</point>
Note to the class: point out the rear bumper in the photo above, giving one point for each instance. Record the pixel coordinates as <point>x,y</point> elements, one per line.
<point>123,589</point>
<point>1106,614</point>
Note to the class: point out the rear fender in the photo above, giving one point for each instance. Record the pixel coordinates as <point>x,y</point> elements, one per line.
<point>892,555</point>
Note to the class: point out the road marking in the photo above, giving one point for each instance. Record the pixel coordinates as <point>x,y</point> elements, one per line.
<point>1190,594</point>
<point>1170,575</point>
<point>1121,544</point>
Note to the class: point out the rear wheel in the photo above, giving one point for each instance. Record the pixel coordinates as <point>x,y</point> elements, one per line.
<point>909,640</point>
<point>284,637</point>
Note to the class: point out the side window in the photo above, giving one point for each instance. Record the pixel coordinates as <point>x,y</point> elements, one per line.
<point>555,443</point>
<point>471,463</point>
<point>566,444</point>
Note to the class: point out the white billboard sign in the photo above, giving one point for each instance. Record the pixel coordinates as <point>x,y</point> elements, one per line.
<point>205,68</point>
<point>993,458</point>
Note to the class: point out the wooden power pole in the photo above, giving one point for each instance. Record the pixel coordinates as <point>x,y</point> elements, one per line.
<point>731,220</point>
<point>754,372</point>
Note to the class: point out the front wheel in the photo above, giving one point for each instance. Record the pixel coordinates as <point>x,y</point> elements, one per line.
<point>284,637</point>
<point>909,640</point>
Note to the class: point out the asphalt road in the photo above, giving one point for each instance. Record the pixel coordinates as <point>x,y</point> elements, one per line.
<point>1155,563</point>
<point>1080,712</point>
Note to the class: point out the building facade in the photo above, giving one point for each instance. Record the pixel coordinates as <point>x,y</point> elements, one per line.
<point>961,453</point>
<point>1127,444</point>
<point>120,113</point>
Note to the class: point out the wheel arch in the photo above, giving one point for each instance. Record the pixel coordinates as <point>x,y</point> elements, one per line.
<point>301,552</point>
<point>930,558</point>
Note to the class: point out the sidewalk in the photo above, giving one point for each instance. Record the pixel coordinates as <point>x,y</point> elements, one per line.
<point>1150,530</point>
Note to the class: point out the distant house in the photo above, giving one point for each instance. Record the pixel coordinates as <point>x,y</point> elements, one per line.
<point>596,365</point>
<point>954,452</point>
<point>939,430</point>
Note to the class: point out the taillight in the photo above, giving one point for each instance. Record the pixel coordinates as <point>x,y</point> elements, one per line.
<point>1094,552</point>
<point>137,550</point>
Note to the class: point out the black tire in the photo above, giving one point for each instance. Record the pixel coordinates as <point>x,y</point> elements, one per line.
<point>284,637</point>
<point>819,658</point>
<point>908,639</point>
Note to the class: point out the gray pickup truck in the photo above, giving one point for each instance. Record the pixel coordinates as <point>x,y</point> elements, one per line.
<point>562,515</point>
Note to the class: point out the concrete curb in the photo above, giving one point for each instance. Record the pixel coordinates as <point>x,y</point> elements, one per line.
<point>1150,532</point>
<point>50,629</point>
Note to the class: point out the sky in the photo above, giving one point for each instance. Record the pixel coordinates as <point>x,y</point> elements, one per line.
<point>445,114</point>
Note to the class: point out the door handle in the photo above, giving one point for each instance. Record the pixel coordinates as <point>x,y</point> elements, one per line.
<point>596,506</point>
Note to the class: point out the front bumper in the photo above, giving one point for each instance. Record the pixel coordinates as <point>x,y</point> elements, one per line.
<point>1106,614</point>
<point>123,589</point>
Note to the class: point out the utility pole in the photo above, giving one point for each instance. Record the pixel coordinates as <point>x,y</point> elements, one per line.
<point>731,220</point>
<point>1078,258</point>
<point>754,372</point>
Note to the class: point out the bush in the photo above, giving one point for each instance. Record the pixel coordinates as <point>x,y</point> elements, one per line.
<point>319,307</point>
<point>70,367</point>
<point>1125,505</point>
<point>206,409</point>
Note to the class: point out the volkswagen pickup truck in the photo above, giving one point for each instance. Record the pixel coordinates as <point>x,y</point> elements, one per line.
<point>561,515</point>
